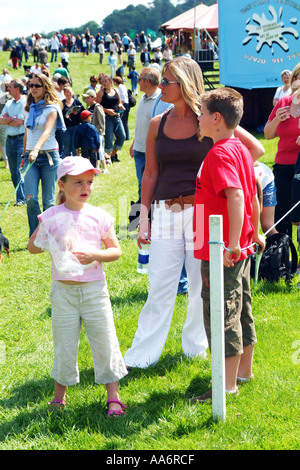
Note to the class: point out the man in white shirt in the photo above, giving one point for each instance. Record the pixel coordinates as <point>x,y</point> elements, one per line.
<point>35,68</point>
<point>131,53</point>
<point>13,117</point>
<point>148,81</point>
<point>54,43</point>
<point>5,77</point>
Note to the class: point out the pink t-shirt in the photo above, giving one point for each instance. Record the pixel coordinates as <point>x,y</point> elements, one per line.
<point>91,225</point>
<point>287,131</point>
<point>227,165</point>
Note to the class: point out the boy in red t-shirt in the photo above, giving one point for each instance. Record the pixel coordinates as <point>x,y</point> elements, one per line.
<point>226,186</point>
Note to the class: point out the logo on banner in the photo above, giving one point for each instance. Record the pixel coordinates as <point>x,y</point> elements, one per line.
<point>270,31</point>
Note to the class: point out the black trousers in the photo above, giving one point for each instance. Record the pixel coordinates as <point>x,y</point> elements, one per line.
<point>295,215</point>
<point>284,175</point>
<point>89,153</point>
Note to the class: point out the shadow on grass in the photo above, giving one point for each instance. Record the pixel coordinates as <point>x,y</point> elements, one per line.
<point>128,299</point>
<point>34,419</point>
<point>265,287</point>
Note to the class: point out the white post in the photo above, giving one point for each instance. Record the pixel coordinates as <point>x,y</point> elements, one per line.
<point>216,282</point>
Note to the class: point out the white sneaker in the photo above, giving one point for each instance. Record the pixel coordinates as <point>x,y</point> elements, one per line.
<point>104,172</point>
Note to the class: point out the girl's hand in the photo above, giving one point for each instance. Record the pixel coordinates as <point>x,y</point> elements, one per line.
<point>86,257</point>
<point>298,140</point>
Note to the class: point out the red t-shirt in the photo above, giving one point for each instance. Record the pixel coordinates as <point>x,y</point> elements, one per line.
<point>287,131</point>
<point>227,165</point>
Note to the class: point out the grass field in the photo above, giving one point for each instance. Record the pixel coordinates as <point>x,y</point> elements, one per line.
<point>265,416</point>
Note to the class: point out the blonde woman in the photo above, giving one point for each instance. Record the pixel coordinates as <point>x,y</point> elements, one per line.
<point>173,158</point>
<point>41,147</point>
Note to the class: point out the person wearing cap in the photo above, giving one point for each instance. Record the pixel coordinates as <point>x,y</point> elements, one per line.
<point>79,295</point>
<point>98,120</point>
<point>87,138</point>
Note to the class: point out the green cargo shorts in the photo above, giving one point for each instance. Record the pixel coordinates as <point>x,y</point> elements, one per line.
<point>238,319</point>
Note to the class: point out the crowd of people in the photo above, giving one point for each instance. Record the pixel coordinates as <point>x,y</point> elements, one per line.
<point>189,152</point>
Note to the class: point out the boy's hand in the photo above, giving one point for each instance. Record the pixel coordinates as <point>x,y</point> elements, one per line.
<point>260,240</point>
<point>230,258</point>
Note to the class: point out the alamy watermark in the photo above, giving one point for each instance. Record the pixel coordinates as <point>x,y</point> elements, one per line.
<point>296,354</point>
<point>2,353</point>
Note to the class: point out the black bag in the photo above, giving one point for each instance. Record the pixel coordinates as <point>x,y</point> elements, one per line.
<point>131,99</point>
<point>275,261</point>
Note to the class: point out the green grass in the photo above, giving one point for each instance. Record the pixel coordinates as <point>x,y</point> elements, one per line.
<point>264,416</point>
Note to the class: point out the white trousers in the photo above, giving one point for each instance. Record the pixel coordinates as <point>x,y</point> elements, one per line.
<point>88,303</point>
<point>171,245</point>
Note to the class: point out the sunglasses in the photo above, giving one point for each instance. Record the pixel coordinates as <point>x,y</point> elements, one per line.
<point>166,82</point>
<point>34,85</point>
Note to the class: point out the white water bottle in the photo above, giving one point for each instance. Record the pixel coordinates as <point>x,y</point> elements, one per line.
<point>143,259</point>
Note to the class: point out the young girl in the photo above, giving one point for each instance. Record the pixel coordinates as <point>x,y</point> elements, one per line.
<point>83,296</point>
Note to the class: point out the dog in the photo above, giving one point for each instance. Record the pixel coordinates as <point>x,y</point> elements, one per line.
<point>4,243</point>
<point>107,159</point>
<point>134,215</point>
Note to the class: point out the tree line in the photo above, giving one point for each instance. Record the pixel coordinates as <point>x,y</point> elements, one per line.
<point>139,18</point>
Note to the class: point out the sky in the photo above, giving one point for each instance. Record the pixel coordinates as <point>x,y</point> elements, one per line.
<point>24,17</point>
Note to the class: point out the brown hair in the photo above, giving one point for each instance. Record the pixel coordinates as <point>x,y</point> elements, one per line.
<point>50,94</point>
<point>118,80</point>
<point>227,102</point>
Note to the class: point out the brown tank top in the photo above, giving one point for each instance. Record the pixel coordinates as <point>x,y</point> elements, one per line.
<point>179,162</point>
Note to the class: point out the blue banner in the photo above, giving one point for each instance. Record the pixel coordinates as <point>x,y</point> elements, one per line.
<point>257,41</point>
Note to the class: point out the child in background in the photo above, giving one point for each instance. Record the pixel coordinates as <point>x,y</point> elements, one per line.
<point>112,62</point>
<point>85,297</point>
<point>87,138</point>
<point>133,75</point>
<point>98,120</point>
<point>266,189</point>
<point>226,186</point>
<point>65,58</point>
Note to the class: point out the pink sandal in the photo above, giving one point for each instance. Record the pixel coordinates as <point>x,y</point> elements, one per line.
<point>116,412</point>
<point>57,402</point>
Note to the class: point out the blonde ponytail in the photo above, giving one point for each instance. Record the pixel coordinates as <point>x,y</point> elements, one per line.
<point>61,198</point>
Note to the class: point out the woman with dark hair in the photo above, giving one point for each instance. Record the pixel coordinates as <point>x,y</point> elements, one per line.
<point>110,100</point>
<point>41,147</point>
